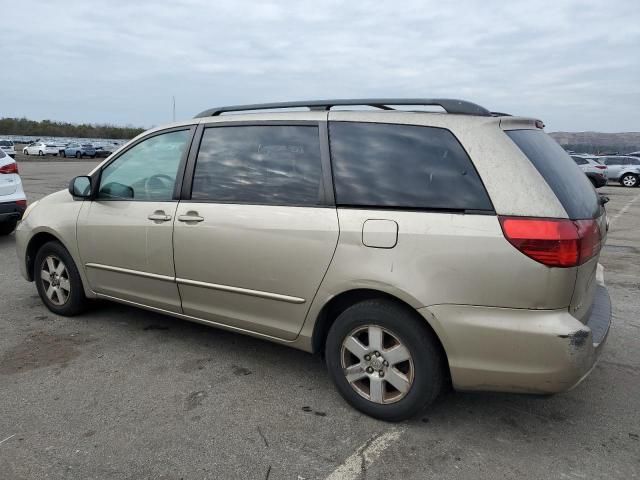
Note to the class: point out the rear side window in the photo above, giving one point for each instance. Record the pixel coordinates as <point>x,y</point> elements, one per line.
<point>264,165</point>
<point>403,166</point>
<point>579,161</point>
<point>571,186</point>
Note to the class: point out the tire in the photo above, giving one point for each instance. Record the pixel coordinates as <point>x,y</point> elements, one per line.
<point>422,374</point>
<point>7,227</point>
<point>63,301</point>
<point>93,156</point>
<point>40,153</point>
<point>78,155</point>
<point>26,152</point>
<point>63,153</point>
<point>629,180</point>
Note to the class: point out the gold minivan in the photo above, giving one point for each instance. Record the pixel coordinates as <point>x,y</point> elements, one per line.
<point>412,249</point>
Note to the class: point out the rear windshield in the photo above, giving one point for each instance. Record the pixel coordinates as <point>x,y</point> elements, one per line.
<point>5,143</point>
<point>568,182</point>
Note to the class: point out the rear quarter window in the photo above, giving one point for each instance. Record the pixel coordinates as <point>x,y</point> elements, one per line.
<point>403,166</point>
<point>568,182</point>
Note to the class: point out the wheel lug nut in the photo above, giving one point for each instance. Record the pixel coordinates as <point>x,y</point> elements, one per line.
<point>377,354</point>
<point>386,364</point>
<point>367,357</point>
<point>369,370</point>
<point>381,373</point>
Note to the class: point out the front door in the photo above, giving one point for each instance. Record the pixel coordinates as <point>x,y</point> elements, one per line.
<point>125,234</point>
<point>255,239</point>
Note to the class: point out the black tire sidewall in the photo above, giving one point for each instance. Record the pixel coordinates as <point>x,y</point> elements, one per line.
<point>77,300</point>
<point>405,324</point>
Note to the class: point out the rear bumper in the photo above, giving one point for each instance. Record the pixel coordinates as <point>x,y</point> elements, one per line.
<point>526,351</point>
<point>598,180</point>
<point>10,211</point>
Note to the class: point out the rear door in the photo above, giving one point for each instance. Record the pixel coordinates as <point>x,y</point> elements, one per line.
<point>257,230</point>
<point>614,167</point>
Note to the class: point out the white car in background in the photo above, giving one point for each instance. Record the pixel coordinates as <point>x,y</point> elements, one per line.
<point>13,201</point>
<point>41,148</point>
<point>7,147</point>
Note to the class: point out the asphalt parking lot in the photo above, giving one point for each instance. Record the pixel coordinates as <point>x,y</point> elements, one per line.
<point>127,394</point>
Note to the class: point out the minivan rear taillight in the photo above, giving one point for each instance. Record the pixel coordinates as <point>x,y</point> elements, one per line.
<point>553,242</point>
<point>9,168</point>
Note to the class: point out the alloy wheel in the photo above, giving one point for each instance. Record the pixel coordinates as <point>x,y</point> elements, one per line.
<point>55,280</point>
<point>629,180</point>
<point>377,365</point>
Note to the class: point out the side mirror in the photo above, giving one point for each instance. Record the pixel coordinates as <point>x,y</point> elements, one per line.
<point>80,187</point>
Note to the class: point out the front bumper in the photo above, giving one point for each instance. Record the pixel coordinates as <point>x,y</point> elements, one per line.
<point>518,350</point>
<point>10,211</point>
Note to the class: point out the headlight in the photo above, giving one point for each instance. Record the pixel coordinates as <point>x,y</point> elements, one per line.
<point>28,210</point>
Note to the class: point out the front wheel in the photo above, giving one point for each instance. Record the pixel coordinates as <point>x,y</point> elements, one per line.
<point>58,281</point>
<point>78,155</point>
<point>7,227</point>
<point>63,153</point>
<point>629,180</point>
<point>26,152</point>
<point>40,153</point>
<point>384,360</point>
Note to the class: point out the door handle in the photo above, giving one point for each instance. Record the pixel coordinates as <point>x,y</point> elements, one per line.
<point>190,217</point>
<point>159,216</point>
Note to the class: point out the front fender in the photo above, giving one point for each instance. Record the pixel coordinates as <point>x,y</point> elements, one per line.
<point>56,216</point>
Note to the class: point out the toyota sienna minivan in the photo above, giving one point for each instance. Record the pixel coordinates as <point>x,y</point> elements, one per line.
<point>412,249</point>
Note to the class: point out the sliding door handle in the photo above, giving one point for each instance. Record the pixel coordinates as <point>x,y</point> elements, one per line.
<point>190,217</point>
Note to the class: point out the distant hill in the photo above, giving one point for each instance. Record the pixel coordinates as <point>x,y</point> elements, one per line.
<point>597,142</point>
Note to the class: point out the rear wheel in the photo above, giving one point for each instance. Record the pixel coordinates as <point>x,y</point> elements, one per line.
<point>629,180</point>
<point>58,281</point>
<point>40,153</point>
<point>63,153</point>
<point>78,155</point>
<point>384,360</point>
<point>7,227</point>
<point>25,151</point>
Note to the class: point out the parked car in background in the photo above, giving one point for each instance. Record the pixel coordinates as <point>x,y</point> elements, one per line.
<point>12,199</point>
<point>623,168</point>
<point>8,148</point>
<point>106,149</point>
<point>634,154</point>
<point>595,171</point>
<point>372,237</point>
<point>41,148</point>
<point>79,150</point>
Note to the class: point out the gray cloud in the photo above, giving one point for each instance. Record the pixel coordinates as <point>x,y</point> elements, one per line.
<point>572,63</point>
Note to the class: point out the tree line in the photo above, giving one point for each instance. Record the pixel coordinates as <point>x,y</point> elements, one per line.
<point>49,128</point>
<point>601,149</point>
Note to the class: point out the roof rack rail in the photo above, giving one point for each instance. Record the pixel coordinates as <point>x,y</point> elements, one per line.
<point>449,105</point>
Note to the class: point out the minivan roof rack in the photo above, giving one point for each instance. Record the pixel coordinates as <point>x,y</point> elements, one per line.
<point>449,105</point>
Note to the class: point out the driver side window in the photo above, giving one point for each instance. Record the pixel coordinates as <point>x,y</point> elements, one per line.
<point>146,172</point>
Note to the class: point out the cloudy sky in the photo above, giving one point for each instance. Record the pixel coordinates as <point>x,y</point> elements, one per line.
<point>575,64</point>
